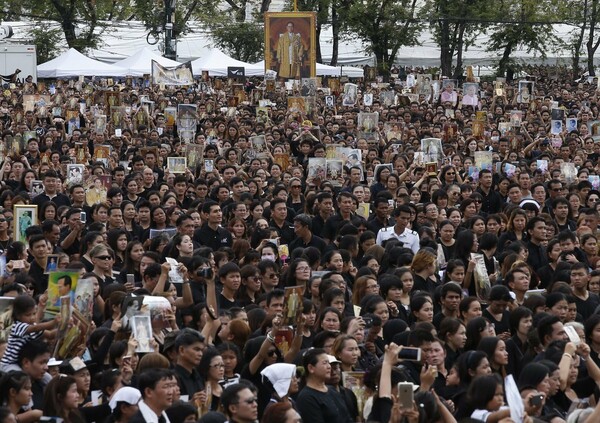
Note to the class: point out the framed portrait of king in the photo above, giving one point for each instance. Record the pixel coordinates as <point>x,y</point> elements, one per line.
<point>290,44</point>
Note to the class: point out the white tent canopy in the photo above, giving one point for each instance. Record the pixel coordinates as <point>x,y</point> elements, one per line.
<point>326,70</point>
<point>73,63</point>
<point>140,63</point>
<point>349,71</point>
<point>216,63</point>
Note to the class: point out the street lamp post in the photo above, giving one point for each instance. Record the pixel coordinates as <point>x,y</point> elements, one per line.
<point>170,41</point>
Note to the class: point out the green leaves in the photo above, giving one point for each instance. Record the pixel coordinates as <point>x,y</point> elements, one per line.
<point>384,26</point>
<point>241,40</point>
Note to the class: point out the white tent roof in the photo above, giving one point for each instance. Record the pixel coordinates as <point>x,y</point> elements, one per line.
<point>349,71</point>
<point>326,70</point>
<point>140,63</point>
<point>216,63</point>
<point>73,63</point>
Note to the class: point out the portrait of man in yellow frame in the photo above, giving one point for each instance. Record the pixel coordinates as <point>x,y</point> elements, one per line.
<point>290,44</point>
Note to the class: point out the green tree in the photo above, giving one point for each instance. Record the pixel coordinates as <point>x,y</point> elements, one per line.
<point>81,21</point>
<point>384,25</point>
<point>241,40</point>
<point>455,25</point>
<point>46,39</point>
<point>585,15</point>
<point>186,11</point>
<point>322,8</point>
<point>526,23</point>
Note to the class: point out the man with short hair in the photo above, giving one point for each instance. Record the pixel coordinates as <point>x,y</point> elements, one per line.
<point>492,200</point>
<point>450,298</point>
<point>380,218</point>
<point>275,300</point>
<point>269,271</point>
<point>400,231</point>
<point>279,214</point>
<point>115,218</point>
<point>157,395</point>
<point>305,237</point>
<point>453,191</point>
<point>550,328</point>
<point>518,282</point>
<point>228,172</point>
<point>324,204</point>
<point>561,208</point>
<point>554,191</point>
<point>230,277</point>
<point>180,185</point>
<point>77,193</point>
<point>148,182</point>
<point>38,247</point>
<point>51,231</point>
<point>537,258</point>
<point>189,345</point>
<point>211,234</point>
<point>240,404</point>
<point>345,202</point>
<point>586,301</point>
<point>143,216</point>
<point>51,182</point>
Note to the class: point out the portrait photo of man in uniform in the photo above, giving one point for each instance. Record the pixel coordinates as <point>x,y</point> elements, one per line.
<point>290,44</point>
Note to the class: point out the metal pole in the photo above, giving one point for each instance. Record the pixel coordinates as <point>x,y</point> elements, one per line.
<point>170,41</point>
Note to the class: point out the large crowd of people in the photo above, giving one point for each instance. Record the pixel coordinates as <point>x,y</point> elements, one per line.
<point>424,281</point>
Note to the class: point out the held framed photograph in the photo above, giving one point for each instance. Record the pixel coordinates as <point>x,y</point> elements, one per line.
<point>142,330</point>
<point>176,164</point>
<point>25,215</point>
<point>290,44</point>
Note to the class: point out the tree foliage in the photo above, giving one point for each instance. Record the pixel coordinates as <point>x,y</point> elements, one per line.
<point>241,40</point>
<point>81,21</point>
<point>526,23</point>
<point>46,39</point>
<point>585,15</point>
<point>384,26</point>
<point>455,25</point>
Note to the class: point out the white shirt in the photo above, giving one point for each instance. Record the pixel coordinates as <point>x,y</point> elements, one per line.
<point>149,415</point>
<point>409,238</point>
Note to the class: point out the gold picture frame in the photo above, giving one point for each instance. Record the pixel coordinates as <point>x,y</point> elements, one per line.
<point>302,39</point>
<point>24,215</point>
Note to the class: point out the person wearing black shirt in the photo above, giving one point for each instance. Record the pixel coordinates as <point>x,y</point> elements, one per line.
<point>586,301</point>
<point>279,215</point>
<point>317,402</point>
<point>496,311</point>
<point>211,234</point>
<point>492,201</point>
<point>230,277</point>
<point>334,223</point>
<point>51,193</point>
<point>189,346</point>
<point>306,238</point>
<point>324,206</point>
<point>537,258</point>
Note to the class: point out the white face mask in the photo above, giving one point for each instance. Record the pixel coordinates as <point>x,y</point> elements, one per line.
<point>270,257</point>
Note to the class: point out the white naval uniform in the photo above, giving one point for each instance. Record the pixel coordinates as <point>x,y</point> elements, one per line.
<point>409,238</point>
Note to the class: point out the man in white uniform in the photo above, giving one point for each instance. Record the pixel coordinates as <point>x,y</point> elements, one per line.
<point>408,237</point>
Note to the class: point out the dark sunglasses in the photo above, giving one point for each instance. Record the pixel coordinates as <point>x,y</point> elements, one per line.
<point>104,257</point>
